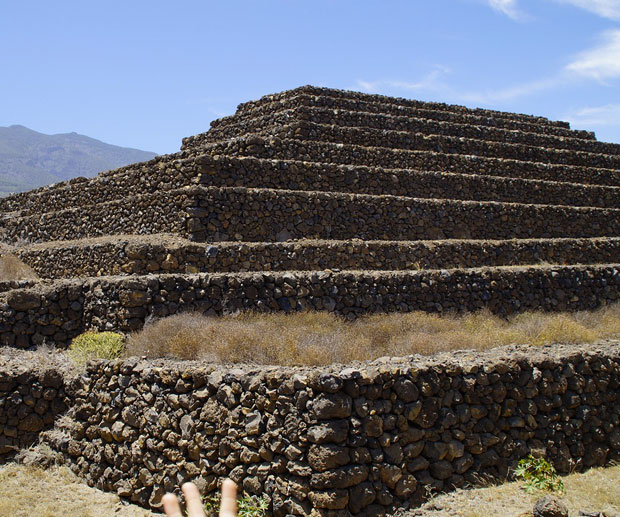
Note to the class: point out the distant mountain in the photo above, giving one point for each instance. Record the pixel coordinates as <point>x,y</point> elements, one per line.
<point>29,159</point>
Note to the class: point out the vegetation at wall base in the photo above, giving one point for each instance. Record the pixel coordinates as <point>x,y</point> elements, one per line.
<point>538,475</point>
<point>247,506</point>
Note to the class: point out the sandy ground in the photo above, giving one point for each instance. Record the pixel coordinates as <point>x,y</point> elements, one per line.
<point>57,492</point>
<point>598,490</point>
<point>30,491</point>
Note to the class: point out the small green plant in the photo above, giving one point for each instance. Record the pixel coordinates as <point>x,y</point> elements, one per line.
<point>247,506</point>
<point>96,345</point>
<point>538,475</point>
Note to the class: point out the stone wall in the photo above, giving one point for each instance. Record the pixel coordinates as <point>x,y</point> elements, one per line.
<point>370,137</point>
<point>337,96</point>
<point>303,175</point>
<point>232,127</point>
<point>16,284</point>
<point>459,144</point>
<point>293,149</point>
<point>32,396</point>
<point>221,214</point>
<point>142,256</point>
<point>63,309</point>
<point>226,214</point>
<point>322,101</point>
<point>160,212</point>
<point>163,173</point>
<point>362,439</point>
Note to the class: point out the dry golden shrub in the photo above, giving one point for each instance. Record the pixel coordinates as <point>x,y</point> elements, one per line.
<point>319,338</point>
<point>11,268</point>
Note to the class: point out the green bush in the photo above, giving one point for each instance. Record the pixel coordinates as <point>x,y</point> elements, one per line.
<point>538,475</point>
<point>96,345</point>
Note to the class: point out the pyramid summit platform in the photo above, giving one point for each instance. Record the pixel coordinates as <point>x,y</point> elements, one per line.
<point>324,199</point>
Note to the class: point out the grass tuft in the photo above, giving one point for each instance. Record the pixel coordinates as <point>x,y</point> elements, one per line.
<point>320,338</point>
<point>247,506</point>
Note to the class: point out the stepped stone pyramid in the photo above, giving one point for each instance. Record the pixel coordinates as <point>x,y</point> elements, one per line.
<point>324,199</point>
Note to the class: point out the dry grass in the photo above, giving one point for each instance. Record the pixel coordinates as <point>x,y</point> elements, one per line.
<point>27,491</point>
<point>11,268</point>
<point>44,357</point>
<point>597,490</point>
<point>320,338</point>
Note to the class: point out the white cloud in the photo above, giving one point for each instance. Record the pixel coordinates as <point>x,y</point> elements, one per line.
<point>512,92</point>
<point>435,83</point>
<point>507,7</point>
<point>602,62</point>
<point>605,8</point>
<point>608,115</point>
<point>599,63</point>
<point>431,81</point>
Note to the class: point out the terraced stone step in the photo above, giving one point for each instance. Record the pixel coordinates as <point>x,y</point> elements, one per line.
<point>251,106</point>
<point>275,215</point>
<point>167,172</point>
<point>388,122</point>
<point>171,172</point>
<point>255,215</point>
<point>369,137</point>
<point>125,303</point>
<point>384,157</point>
<point>298,175</point>
<point>158,254</point>
<point>387,109</point>
<point>159,212</point>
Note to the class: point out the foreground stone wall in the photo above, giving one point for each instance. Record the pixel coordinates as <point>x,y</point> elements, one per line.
<point>63,309</point>
<point>31,399</point>
<point>363,439</point>
<point>167,254</point>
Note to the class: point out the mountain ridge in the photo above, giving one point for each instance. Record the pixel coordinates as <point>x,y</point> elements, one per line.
<point>30,159</point>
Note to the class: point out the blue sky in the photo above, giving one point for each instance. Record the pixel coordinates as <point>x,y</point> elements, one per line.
<point>145,74</point>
